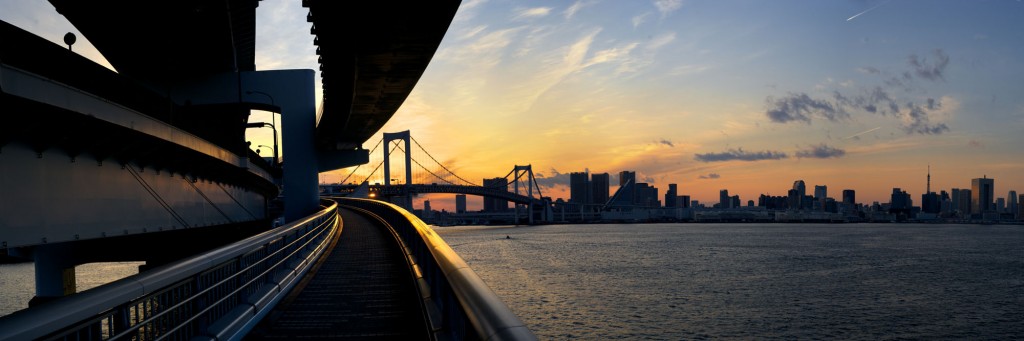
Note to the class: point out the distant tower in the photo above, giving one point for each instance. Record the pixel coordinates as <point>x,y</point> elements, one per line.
<point>928,188</point>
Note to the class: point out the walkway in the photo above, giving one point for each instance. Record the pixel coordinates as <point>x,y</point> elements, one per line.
<point>363,289</point>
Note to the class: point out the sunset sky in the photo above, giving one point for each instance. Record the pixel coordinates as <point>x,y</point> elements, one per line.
<point>740,95</point>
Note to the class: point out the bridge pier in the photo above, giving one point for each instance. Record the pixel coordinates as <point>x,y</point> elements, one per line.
<point>55,273</point>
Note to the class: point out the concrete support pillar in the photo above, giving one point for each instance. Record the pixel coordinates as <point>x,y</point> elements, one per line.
<point>294,92</point>
<point>55,273</point>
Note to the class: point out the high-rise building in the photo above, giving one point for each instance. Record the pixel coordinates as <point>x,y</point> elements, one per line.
<point>599,183</point>
<point>800,188</point>
<point>982,195</point>
<point>683,201</point>
<point>849,197</point>
<point>724,201</point>
<point>1000,205</point>
<point>670,196</point>
<point>964,204</point>
<point>492,204</point>
<point>1020,207</point>
<point>460,203</point>
<point>793,199</point>
<point>900,202</point>
<point>930,203</point>
<point>426,209</point>
<point>579,188</point>
<point>820,192</point>
<point>1011,204</point>
<point>627,187</point>
<point>646,195</point>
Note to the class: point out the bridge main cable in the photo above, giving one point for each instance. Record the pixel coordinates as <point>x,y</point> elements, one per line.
<point>439,163</point>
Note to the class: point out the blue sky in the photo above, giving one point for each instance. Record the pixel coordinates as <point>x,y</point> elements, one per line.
<point>741,95</point>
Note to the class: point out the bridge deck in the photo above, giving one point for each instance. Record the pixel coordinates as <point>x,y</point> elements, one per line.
<point>363,289</point>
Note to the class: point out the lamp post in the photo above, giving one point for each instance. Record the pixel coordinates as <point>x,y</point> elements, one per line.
<point>265,124</point>
<point>272,114</point>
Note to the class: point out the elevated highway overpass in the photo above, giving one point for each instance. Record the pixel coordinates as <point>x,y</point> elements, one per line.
<point>154,153</point>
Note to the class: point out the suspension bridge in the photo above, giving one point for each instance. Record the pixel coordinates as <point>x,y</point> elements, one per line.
<point>424,174</point>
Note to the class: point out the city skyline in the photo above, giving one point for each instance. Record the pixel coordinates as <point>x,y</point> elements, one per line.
<point>740,95</point>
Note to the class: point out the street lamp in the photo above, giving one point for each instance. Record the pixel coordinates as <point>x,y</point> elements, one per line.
<point>265,124</point>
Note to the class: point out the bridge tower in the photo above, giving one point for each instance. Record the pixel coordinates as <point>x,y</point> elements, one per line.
<point>404,136</point>
<point>527,171</point>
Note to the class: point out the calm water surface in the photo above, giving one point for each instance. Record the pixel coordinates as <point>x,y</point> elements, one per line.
<point>17,281</point>
<point>726,281</point>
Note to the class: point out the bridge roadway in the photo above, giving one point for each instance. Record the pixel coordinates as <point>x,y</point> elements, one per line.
<point>362,289</point>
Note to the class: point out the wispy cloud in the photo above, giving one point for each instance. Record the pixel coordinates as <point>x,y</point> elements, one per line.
<point>684,70</point>
<point>709,176</point>
<point>821,151</point>
<point>530,13</point>
<point>666,142</point>
<point>472,32</point>
<point>666,7</point>
<point>575,7</point>
<point>740,155</point>
<point>661,40</point>
<point>638,20</point>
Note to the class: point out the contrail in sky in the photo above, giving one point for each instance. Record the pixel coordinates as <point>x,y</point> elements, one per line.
<point>861,133</point>
<point>867,10</point>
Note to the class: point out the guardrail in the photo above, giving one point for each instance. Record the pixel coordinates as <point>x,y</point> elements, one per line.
<point>220,294</point>
<point>458,304</point>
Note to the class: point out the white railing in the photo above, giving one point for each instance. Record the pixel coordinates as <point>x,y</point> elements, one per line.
<point>220,294</point>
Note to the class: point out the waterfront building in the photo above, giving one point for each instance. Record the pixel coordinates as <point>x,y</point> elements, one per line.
<point>800,187</point>
<point>1020,207</point>
<point>724,201</point>
<point>671,196</point>
<point>930,203</point>
<point>579,188</point>
<point>627,187</point>
<point>460,203</point>
<point>1000,205</point>
<point>820,192</point>
<point>683,201</point>
<point>426,209</point>
<point>734,201</point>
<point>1011,204</point>
<point>849,197</point>
<point>492,204</point>
<point>793,199</point>
<point>647,195</point>
<point>964,205</point>
<point>982,194</point>
<point>599,187</point>
<point>900,202</point>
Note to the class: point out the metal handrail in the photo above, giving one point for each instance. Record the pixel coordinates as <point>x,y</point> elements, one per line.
<point>454,296</point>
<point>148,305</point>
